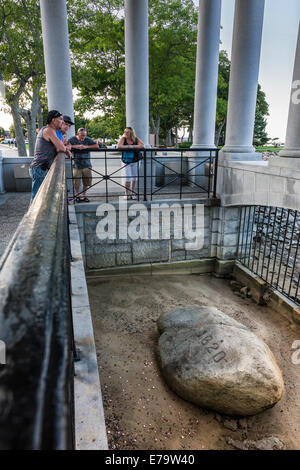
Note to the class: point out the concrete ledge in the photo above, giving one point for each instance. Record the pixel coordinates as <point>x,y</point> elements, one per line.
<point>92,206</point>
<point>15,174</point>
<point>200,266</point>
<point>223,268</point>
<point>255,283</point>
<point>263,294</point>
<point>90,432</point>
<point>283,305</point>
<point>241,184</point>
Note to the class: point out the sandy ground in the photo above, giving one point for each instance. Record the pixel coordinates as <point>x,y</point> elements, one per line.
<point>141,412</point>
<point>12,208</point>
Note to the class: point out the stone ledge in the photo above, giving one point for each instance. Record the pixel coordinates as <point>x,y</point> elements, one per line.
<point>92,206</point>
<point>274,299</point>
<point>90,432</point>
<point>223,268</point>
<point>205,265</point>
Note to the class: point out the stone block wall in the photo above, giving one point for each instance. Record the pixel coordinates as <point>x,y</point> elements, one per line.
<point>219,229</point>
<point>258,183</point>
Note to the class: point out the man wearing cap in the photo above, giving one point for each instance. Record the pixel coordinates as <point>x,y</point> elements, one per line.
<point>82,163</point>
<point>62,132</point>
<point>46,148</point>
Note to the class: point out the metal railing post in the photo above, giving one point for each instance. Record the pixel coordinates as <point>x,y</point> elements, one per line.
<point>145,176</point>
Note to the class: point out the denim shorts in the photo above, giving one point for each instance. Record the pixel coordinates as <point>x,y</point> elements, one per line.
<point>38,175</point>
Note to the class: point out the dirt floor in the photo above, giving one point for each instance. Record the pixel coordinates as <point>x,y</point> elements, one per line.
<point>141,412</point>
<point>13,206</point>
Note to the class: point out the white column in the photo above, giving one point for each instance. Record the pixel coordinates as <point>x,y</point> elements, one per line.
<point>292,140</point>
<point>206,86</point>
<point>137,67</point>
<point>57,56</point>
<point>245,58</point>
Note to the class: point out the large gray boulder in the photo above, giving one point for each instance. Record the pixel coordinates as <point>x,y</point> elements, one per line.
<point>213,361</point>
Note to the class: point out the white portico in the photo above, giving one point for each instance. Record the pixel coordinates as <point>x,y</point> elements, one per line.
<point>137,67</point>
<point>57,55</point>
<point>291,152</point>
<point>246,48</point>
<point>206,85</point>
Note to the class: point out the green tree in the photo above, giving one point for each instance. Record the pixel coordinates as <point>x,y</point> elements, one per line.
<point>22,64</point>
<point>262,110</point>
<point>12,130</point>
<point>222,97</point>
<point>98,60</point>
<point>172,52</point>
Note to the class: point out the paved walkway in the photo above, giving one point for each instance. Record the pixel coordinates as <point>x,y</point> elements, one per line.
<point>8,152</point>
<point>12,208</point>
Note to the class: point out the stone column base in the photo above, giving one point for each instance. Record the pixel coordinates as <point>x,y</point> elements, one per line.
<point>240,156</point>
<point>198,167</point>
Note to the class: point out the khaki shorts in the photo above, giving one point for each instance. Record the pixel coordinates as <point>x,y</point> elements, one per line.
<point>85,174</point>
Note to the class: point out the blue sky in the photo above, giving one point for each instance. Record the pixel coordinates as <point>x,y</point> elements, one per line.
<point>281,21</point>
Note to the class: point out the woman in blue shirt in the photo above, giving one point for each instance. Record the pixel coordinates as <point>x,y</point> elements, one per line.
<point>128,141</point>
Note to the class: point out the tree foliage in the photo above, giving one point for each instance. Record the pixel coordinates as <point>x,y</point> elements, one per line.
<point>96,31</point>
<point>98,60</point>
<point>262,110</point>
<point>22,64</point>
<point>172,53</point>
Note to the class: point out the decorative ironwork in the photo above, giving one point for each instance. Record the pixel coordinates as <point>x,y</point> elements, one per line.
<point>198,179</point>
<point>269,246</point>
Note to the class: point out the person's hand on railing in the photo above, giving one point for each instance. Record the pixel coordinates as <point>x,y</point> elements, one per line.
<point>78,147</point>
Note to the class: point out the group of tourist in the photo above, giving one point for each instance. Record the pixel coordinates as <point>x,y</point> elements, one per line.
<point>52,139</point>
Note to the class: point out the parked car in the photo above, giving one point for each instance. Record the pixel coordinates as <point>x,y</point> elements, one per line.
<point>5,141</point>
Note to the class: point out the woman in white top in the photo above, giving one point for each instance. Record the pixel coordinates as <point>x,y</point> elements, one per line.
<point>128,141</point>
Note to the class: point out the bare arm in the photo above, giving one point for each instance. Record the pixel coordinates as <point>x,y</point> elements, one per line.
<point>121,143</point>
<point>139,145</point>
<point>50,135</point>
<point>93,146</point>
<point>84,147</point>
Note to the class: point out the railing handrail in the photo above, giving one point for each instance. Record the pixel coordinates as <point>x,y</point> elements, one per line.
<point>150,149</point>
<point>35,324</point>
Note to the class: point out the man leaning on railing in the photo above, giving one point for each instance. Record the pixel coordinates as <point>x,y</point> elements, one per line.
<point>47,147</point>
<point>82,163</point>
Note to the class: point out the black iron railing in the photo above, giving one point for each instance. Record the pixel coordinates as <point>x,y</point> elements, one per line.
<point>162,172</point>
<point>269,242</point>
<point>36,382</point>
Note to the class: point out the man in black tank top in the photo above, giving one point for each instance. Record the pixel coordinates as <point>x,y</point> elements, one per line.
<point>46,148</point>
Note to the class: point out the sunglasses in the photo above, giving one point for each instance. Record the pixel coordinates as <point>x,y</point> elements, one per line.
<point>81,130</point>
